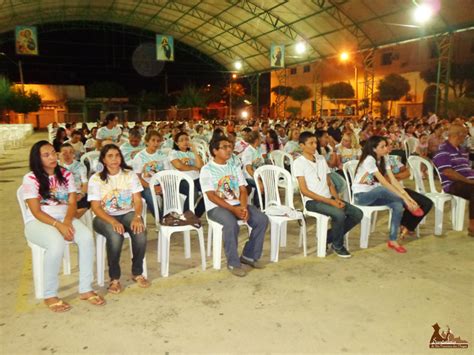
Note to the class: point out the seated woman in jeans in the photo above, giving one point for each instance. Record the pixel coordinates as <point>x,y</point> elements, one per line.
<point>371,188</point>
<point>148,162</point>
<point>116,201</point>
<point>184,157</point>
<point>50,193</point>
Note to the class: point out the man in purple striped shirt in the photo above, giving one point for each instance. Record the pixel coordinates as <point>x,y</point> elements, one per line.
<point>457,176</point>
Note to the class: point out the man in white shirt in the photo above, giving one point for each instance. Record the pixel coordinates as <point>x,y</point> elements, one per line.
<point>320,195</point>
<point>225,197</point>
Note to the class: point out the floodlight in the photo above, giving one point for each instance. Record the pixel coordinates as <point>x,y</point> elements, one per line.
<point>244,114</point>
<point>344,56</point>
<point>300,47</point>
<point>422,13</point>
<point>238,65</point>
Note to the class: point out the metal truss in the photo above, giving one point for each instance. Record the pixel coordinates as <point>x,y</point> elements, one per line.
<point>280,102</point>
<point>318,89</point>
<point>369,75</point>
<point>444,45</point>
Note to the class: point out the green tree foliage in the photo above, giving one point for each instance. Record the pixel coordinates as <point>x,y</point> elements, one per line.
<point>25,102</point>
<point>392,88</point>
<point>340,90</point>
<point>301,94</point>
<point>191,96</point>
<point>149,100</point>
<point>105,89</point>
<point>5,94</point>
<point>281,90</point>
<point>461,78</point>
<point>294,110</point>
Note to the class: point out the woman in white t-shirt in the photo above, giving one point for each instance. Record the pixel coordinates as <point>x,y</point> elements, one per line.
<point>252,158</point>
<point>371,188</point>
<point>292,146</point>
<point>110,131</point>
<point>115,196</point>
<point>184,157</point>
<point>148,162</point>
<point>50,194</point>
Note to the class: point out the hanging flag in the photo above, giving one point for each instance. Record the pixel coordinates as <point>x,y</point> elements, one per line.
<point>26,40</point>
<point>165,48</point>
<point>277,56</point>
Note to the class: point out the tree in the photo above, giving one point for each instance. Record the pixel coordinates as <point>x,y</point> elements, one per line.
<point>191,96</point>
<point>5,94</point>
<point>25,102</point>
<point>293,110</point>
<point>461,78</point>
<point>301,94</point>
<point>340,90</point>
<point>238,94</point>
<point>462,106</point>
<point>392,88</point>
<point>282,92</point>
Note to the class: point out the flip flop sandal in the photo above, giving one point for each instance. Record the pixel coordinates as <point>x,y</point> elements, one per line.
<point>59,307</point>
<point>115,287</point>
<point>141,281</point>
<point>95,300</point>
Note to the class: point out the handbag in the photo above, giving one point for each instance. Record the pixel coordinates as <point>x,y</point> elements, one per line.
<point>174,219</point>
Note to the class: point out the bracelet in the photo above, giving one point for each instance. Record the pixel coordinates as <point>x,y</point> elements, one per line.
<point>54,223</point>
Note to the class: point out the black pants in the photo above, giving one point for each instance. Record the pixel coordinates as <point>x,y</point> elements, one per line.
<point>184,189</point>
<point>466,191</point>
<point>410,221</point>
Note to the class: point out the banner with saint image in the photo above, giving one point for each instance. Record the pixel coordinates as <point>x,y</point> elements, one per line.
<point>277,56</point>
<point>165,48</point>
<point>26,40</point>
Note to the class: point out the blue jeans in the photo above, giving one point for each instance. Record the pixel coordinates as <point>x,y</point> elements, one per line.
<point>381,196</point>
<point>258,221</point>
<point>343,220</point>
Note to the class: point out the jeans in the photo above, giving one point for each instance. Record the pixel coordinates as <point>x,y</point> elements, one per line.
<point>230,233</point>
<point>343,219</point>
<point>49,238</point>
<point>251,184</point>
<point>184,189</point>
<point>381,196</point>
<point>115,241</point>
<point>339,182</point>
<point>146,194</point>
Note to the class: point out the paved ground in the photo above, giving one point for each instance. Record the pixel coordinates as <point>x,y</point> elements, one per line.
<point>376,302</point>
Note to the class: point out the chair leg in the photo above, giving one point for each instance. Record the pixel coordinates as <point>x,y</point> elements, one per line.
<point>209,240</point>
<point>439,211</point>
<point>321,236</point>
<point>458,213</point>
<point>37,256</point>
<point>202,248</point>
<point>365,231</point>
<point>275,230</point>
<point>346,240</point>
<point>303,236</point>
<point>100,258</point>
<point>67,260</point>
<point>216,247</point>
<point>374,222</point>
<point>165,253</point>
<point>187,244</point>
<point>283,234</point>
<point>158,246</point>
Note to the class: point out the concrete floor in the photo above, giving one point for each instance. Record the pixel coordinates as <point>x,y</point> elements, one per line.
<point>376,302</point>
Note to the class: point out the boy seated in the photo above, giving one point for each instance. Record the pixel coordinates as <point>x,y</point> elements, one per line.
<point>320,195</point>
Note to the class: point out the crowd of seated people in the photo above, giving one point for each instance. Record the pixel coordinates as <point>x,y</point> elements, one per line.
<point>59,190</point>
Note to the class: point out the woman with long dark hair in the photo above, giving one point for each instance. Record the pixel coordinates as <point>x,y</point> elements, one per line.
<point>50,193</point>
<point>115,196</point>
<point>184,157</point>
<point>60,138</point>
<point>371,188</point>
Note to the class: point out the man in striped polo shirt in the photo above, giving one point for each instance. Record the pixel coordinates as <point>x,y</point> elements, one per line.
<point>457,176</point>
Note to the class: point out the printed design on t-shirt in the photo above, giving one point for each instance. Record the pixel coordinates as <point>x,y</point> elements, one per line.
<point>152,167</point>
<point>394,163</point>
<point>257,160</point>
<point>75,169</point>
<point>116,195</point>
<point>368,179</point>
<point>58,194</point>
<point>228,188</point>
<point>188,161</point>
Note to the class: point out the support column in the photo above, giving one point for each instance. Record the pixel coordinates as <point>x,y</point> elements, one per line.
<point>369,74</point>
<point>444,46</point>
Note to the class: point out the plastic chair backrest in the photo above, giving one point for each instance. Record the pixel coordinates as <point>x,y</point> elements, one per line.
<point>92,158</point>
<point>271,176</point>
<point>416,163</point>
<point>349,170</point>
<point>169,180</point>
<point>21,202</point>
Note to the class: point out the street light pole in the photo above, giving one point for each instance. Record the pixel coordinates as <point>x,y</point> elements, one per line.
<point>20,69</point>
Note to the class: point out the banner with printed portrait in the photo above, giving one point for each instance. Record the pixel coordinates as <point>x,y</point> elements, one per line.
<point>165,48</point>
<point>277,56</point>
<point>26,40</point>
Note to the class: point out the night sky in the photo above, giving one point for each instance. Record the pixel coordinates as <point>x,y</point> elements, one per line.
<point>83,53</point>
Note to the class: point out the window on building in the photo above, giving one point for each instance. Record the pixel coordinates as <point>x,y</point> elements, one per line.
<point>387,58</point>
<point>292,71</point>
<point>306,69</point>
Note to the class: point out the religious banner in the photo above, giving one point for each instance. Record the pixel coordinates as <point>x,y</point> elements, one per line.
<point>165,48</point>
<point>277,56</point>
<point>26,40</point>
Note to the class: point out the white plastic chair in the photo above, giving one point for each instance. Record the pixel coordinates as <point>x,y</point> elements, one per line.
<point>410,145</point>
<point>169,180</point>
<point>271,179</point>
<point>101,250</point>
<point>37,253</point>
<point>349,170</point>
<point>278,158</point>
<point>92,159</point>
<point>438,198</point>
